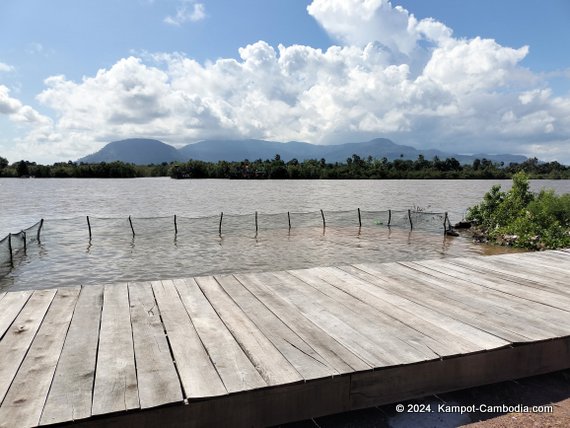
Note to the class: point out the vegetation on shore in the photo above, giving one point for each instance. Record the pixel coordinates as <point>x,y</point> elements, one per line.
<point>522,218</point>
<point>354,168</point>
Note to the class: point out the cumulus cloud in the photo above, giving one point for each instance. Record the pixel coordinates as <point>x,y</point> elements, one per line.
<point>187,11</point>
<point>392,75</point>
<point>17,111</point>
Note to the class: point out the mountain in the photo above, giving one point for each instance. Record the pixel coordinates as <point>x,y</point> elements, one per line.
<point>140,151</point>
<point>144,151</point>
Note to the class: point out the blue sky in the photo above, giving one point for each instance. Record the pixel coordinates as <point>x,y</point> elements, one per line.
<point>479,76</point>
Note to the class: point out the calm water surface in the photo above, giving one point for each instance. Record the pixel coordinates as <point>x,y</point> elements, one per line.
<point>66,256</point>
<point>25,201</point>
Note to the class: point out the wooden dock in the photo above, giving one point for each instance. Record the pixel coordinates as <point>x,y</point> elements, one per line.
<point>267,348</point>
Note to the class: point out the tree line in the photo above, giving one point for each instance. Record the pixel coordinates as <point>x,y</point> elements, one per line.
<point>354,167</point>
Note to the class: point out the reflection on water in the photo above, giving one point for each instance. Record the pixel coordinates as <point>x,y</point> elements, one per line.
<point>66,257</point>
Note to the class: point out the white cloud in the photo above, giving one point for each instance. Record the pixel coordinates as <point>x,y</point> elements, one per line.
<point>17,111</point>
<point>187,11</point>
<point>394,76</point>
<point>5,68</point>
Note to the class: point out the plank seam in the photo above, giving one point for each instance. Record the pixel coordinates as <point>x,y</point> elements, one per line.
<point>29,347</point>
<point>169,346</point>
<point>60,352</point>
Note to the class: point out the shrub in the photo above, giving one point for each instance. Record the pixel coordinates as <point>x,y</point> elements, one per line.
<point>523,219</point>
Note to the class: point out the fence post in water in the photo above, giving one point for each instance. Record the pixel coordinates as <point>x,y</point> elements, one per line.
<point>389,217</point>
<point>410,217</point>
<point>25,243</point>
<point>289,219</point>
<point>132,228</point>
<point>445,223</point>
<point>359,219</point>
<point>323,216</point>
<point>221,218</point>
<point>40,229</point>
<point>256,226</point>
<point>175,226</point>
<point>10,249</point>
<point>89,226</point>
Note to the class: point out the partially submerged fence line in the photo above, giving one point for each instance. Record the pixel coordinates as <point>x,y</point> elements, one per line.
<point>16,245</point>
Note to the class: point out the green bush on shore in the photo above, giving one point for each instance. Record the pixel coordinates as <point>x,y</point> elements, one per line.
<point>522,218</point>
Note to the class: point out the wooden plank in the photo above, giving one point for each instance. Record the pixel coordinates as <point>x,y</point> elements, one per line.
<point>530,316</point>
<point>258,408</point>
<point>306,360</point>
<point>336,355</point>
<point>394,336</point>
<point>466,332</point>
<point>532,294</point>
<point>557,259</point>
<point>197,373</point>
<point>319,309</point>
<point>115,377</point>
<point>158,381</point>
<point>514,314</point>
<point>26,397</point>
<point>431,335</point>
<point>17,340</point>
<point>418,380</point>
<point>548,267</point>
<point>273,367</point>
<point>235,368</point>
<point>446,304</point>
<point>482,263</point>
<point>71,392</point>
<point>512,277</point>
<point>10,307</point>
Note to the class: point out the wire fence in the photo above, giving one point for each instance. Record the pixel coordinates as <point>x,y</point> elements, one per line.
<point>112,231</point>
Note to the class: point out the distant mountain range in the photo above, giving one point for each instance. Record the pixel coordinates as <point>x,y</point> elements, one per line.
<point>142,151</point>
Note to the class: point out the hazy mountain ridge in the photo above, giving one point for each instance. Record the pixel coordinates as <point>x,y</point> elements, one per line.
<point>146,151</point>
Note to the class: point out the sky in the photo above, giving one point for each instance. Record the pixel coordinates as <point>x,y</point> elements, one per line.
<point>469,76</point>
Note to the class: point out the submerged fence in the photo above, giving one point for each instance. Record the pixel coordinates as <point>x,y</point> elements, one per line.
<point>14,247</point>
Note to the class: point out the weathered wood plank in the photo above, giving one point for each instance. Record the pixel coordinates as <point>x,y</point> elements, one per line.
<point>478,270</point>
<point>532,294</point>
<point>158,381</point>
<point>513,273</point>
<point>527,316</point>
<point>17,340</point>
<point>446,304</point>
<point>510,312</point>
<point>197,373</point>
<point>336,354</point>
<point>548,267</point>
<point>302,356</point>
<point>10,307</point>
<point>395,337</point>
<point>418,380</point>
<point>434,336</point>
<point>115,377</point>
<point>558,259</point>
<point>466,332</point>
<point>273,367</point>
<point>26,397</point>
<point>256,408</point>
<point>318,308</point>
<point>235,368</point>
<point>71,392</point>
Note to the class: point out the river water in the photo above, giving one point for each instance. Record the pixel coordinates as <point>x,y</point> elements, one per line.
<point>66,256</point>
